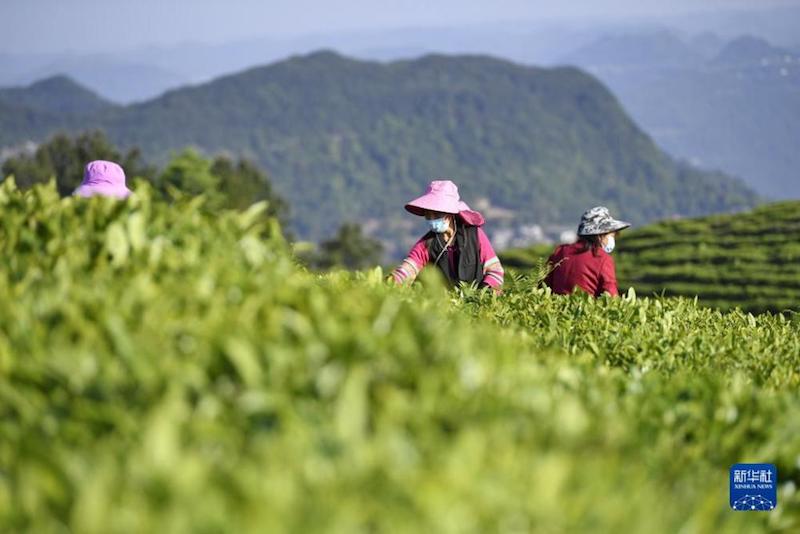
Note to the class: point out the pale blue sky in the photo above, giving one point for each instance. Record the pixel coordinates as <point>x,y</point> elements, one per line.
<point>113,25</point>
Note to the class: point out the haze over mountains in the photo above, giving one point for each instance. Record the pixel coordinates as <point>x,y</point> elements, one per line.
<point>142,72</point>
<point>173,66</point>
<point>732,105</point>
<point>352,140</point>
<point>699,89</point>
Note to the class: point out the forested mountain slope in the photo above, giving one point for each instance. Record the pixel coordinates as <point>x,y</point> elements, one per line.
<point>353,140</point>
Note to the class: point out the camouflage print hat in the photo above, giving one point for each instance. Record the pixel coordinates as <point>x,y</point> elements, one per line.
<point>598,221</point>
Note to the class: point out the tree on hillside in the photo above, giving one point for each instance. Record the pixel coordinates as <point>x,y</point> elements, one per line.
<point>64,158</point>
<point>350,248</point>
<point>244,183</point>
<point>190,173</point>
<point>227,184</point>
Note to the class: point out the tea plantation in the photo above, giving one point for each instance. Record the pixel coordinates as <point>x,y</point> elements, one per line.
<point>748,260</point>
<point>168,369</point>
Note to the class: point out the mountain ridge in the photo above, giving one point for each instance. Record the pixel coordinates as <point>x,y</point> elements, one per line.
<point>56,94</point>
<point>347,139</point>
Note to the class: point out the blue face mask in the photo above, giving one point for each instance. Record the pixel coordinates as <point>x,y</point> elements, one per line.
<point>438,226</point>
<point>610,244</point>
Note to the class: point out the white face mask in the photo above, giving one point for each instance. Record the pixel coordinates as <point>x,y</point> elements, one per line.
<point>610,244</point>
<point>439,226</point>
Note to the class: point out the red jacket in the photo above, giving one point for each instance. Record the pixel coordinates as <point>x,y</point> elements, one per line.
<point>594,272</point>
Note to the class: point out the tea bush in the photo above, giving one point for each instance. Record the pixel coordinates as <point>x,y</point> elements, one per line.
<point>165,368</point>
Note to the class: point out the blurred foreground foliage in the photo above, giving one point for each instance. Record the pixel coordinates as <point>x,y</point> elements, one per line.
<point>169,368</point>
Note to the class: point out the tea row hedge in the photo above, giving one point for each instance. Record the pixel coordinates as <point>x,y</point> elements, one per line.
<point>164,368</point>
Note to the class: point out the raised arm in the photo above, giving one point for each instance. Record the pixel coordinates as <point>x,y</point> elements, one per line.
<point>410,267</point>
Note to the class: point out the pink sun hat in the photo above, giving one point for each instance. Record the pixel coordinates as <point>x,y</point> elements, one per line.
<point>104,178</point>
<point>441,195</point>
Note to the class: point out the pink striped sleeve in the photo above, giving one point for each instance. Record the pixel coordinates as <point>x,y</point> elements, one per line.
<point>493,274</point>
<point>410,267</point>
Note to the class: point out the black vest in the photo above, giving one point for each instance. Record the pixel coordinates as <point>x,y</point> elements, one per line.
<point>468,252</point>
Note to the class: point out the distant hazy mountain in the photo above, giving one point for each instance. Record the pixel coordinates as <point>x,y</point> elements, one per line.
<point>353,140</point>
<point>120,81</point>
<point>737,111</point>
<point>113,78</point>
<point>775,24</point>
<point>144,73</point>
<point>663,48</point>
<point>28,113</point>
<point>58,95</point>
<point>749,51</point>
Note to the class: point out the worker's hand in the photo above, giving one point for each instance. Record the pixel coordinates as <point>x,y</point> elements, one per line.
<point>496,290</point>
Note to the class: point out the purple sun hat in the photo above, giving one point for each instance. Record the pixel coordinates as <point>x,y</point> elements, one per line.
<point>104,178</point>
<point>441,195</point>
